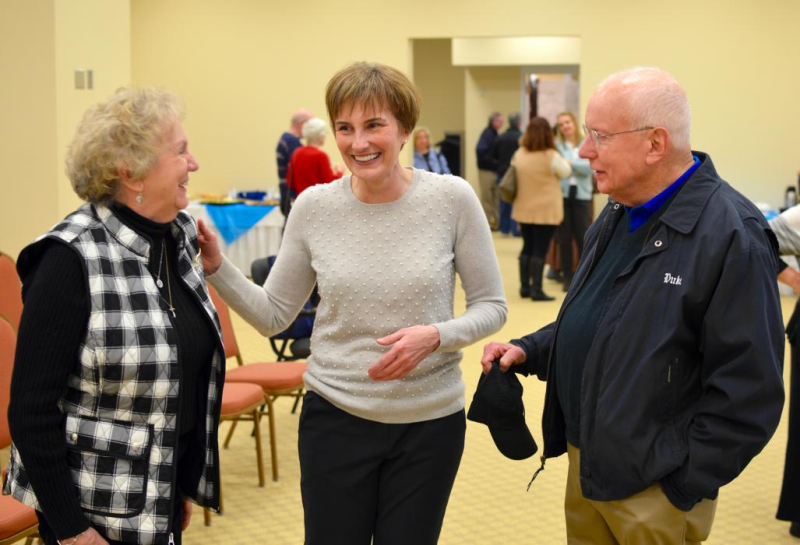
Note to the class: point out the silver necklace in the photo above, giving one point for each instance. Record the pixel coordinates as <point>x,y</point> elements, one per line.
<point>159,283</point>
<point>169,289</point>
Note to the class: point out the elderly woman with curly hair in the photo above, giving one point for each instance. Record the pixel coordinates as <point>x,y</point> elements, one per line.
<point>382,427</point>
<point>117,383</point>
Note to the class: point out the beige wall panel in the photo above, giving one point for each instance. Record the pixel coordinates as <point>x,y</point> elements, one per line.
<point>487,90</point>
<point>28,122</point>
<point>442,88</point>
<point>90,35</point>
<point>245,65</point>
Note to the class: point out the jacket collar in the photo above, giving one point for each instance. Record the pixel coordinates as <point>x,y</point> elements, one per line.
<point>684,211</point>
<point>129,238</point>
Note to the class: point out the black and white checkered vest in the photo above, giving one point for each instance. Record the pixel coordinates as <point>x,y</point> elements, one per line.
<point>121,405</point>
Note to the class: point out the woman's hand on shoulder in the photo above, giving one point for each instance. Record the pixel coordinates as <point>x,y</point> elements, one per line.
<point>410,346</point>
<point>209,248</point>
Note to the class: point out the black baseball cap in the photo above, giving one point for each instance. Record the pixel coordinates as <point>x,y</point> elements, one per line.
<point>498,404</point>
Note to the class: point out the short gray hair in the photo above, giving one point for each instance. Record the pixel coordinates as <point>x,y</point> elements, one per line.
<point>654,99</point>
<point>515,120</point>
<point>314,130</point>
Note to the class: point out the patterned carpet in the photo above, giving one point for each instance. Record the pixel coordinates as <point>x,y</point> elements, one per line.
<point>489,504</point>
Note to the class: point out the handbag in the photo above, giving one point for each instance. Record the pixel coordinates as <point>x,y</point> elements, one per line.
<point>508,185</point>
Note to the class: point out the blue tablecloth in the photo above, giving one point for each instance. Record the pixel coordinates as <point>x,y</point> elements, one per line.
<point>234,220</point>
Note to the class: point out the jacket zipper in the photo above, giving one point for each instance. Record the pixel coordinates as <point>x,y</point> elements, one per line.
<point>174,482</point>
<point>215,432</point>
<point>543,457</point>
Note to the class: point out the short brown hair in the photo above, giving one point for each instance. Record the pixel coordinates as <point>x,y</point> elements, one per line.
<point>121,133</point>
<point>538,135</point>
<point>377,86</point>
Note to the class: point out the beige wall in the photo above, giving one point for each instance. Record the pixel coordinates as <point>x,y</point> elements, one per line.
<point>244,65</point>
<point>442,87</point>
<point>27,122</point>
<point>39,105</point>
<point>487,90</point>
<point>89,34</point>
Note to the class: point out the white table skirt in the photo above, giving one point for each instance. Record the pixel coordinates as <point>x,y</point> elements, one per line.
<point>263,240</point>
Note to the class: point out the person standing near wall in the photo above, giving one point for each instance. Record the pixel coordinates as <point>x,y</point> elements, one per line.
<point>577,189</point>
<point>287,144</point>
<point>502,151</point>
<point>537,207</point>
<point>487,170</point>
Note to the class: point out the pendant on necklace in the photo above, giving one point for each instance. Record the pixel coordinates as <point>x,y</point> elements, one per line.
<point>172,310</point>
<point>159,283</point>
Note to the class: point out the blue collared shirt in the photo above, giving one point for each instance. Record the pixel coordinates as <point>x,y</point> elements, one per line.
<point>638,215</point>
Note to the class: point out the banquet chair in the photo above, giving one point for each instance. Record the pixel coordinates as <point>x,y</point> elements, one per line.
<point>241,401</point>
<point>10,290</point>
<point>295,342</point>
<point>17,521</point>
<point>276,379</point>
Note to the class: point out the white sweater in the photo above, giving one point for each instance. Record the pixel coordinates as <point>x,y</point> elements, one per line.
<point>380,267</point>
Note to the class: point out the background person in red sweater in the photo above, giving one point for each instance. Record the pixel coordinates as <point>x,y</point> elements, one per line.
<point>310,165</point>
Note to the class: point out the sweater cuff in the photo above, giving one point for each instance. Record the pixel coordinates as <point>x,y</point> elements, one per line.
<point>675,494</point>
<point>66,519</point>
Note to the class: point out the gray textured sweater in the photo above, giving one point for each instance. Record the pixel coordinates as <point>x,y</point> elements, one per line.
<point>380,267</point>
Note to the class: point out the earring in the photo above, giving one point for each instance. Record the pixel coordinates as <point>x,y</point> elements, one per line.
<point>140,198</point>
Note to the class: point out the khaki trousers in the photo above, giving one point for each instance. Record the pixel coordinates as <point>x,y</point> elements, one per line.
<point>646,517</point>
<point>490,197</point>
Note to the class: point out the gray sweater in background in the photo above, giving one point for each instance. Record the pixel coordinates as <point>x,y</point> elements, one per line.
<point>380,268</point>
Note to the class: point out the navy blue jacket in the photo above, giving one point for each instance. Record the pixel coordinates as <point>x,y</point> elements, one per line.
<point>484,149</point>
<point>683,381</point>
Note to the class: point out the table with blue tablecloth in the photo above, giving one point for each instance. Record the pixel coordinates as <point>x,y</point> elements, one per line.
<point>245,232</point>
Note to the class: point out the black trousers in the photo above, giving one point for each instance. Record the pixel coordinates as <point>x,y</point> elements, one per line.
<point>789,505</point>
<point>577,218</point>
<point>536,239</point>
<point>363,480</point>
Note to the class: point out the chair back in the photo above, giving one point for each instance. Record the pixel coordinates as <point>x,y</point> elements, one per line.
<point>10,290</point>
<point>228,336</point>
<point>259,269</point>
<point>8,344</point>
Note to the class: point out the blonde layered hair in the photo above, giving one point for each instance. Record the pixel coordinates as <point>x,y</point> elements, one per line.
<point>579,136</point>
<point>120,134</point>
<point>376,86</point>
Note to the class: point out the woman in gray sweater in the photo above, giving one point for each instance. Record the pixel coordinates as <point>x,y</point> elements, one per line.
<point>382,426</point>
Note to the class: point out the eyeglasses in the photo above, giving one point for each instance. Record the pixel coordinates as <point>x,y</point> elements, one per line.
<point>597,137</point>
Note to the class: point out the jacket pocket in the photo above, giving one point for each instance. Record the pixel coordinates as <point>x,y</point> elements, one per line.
<point>671,378</point>
<point>109,463</point>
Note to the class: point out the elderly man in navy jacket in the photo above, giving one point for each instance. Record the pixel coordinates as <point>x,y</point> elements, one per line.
<point>664,366</point>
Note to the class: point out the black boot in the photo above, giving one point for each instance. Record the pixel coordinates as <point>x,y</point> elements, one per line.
<point>794,529</point>
<point>524,275</point>
<point>537,270</point>
<point>567,282</point>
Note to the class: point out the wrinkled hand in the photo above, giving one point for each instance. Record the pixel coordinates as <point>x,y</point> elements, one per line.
<point>209,248</point>
<point>410,346</point>
<point>89,537</point>
<point>507,353</point>
<point>791,278</point>
<point>187,514</point>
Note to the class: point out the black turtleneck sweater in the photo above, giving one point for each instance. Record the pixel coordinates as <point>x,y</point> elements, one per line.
<point>53,326</point>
